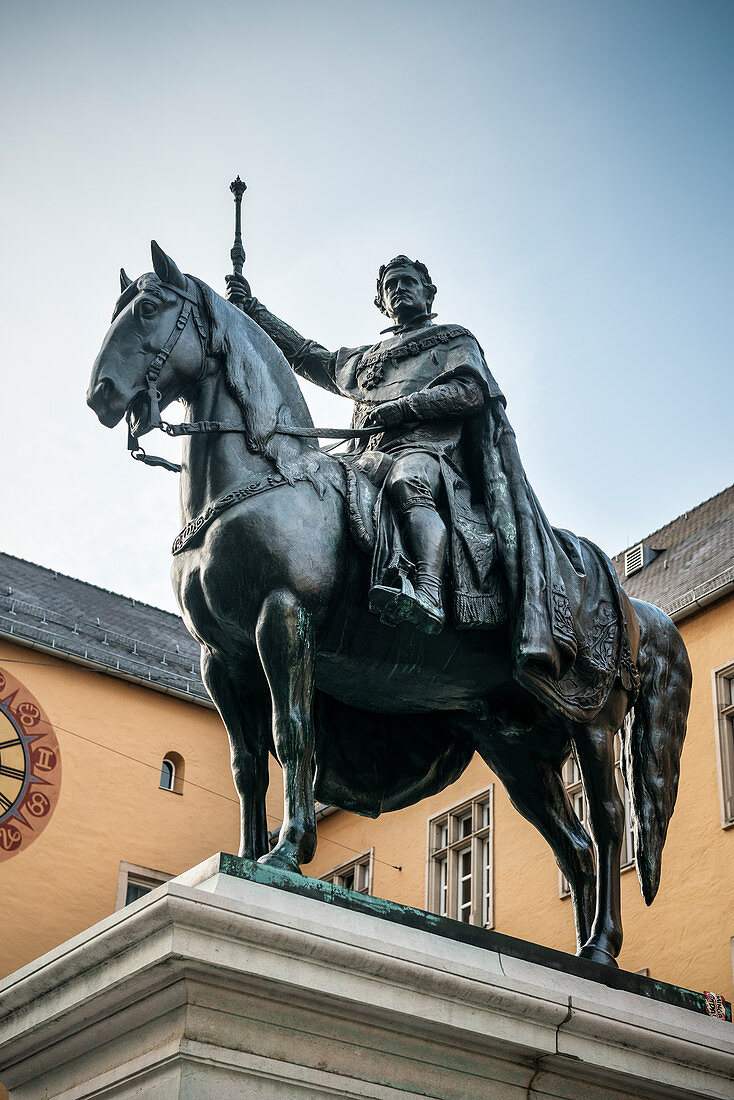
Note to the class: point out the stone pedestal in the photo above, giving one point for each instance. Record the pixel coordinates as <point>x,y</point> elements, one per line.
<point>237,981</point>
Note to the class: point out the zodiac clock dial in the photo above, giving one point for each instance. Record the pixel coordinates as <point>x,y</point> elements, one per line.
<point>30,767</point>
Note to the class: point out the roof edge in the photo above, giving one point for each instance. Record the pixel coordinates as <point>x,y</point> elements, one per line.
<point>107,670</point>
<point>670,522</point>
<point>698,598</point>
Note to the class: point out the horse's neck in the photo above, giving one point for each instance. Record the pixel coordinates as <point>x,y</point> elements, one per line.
<point>247,380</point>
<point>213,464</point>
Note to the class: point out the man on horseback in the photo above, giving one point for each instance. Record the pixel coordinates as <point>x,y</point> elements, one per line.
<point>452,480</point>
<point>421,386</point>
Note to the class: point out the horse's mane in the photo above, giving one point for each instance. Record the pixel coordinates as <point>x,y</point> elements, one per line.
<point>264,387</point>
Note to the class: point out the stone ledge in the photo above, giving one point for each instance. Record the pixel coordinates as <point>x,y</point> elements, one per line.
<point>409,917</point>
<point>219,982</point>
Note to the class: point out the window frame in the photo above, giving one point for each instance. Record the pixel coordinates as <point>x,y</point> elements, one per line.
<point>178,765</point>
<point>166,762</point>
<point>364,860</point>
<point>131,874</point>
<point>722,679</point>
<point>443,861</point>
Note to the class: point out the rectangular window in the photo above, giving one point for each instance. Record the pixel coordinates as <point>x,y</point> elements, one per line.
<point>460,861</point>
<point>354,875</point>
<point>724,709</point>
<point>134,882</point>
<point>574,786</point>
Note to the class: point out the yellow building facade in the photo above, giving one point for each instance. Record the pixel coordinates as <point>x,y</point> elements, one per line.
<point>112,736</point>
<point>118,684</point>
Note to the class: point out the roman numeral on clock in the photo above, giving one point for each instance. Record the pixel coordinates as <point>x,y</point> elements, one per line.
<point>12,773</point>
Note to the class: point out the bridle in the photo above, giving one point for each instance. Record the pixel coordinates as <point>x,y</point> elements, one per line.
<point>190,310</point>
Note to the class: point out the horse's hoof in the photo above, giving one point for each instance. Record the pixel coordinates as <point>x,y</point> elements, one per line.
<point>281,861</point>
<point>597,955</point>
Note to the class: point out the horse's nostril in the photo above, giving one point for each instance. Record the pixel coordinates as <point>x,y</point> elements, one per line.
<point>103,394</point>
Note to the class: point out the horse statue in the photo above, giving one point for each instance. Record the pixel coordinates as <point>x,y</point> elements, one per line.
<point>271,575</point>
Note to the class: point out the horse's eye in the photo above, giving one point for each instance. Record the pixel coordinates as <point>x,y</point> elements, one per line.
<point>148,309</point>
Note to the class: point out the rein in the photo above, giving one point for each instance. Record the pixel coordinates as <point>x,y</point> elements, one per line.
<point>218,427</point>
<point>190,309</point>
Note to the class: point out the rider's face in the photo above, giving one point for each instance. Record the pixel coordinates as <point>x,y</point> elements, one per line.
<point>404,294</point>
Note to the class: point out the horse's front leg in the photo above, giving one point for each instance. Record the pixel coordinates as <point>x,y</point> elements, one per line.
<point>595,751</point>
<point>285,642</point>
<point>246,717</point>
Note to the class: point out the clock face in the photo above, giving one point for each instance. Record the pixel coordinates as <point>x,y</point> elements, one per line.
<point>30,767</point>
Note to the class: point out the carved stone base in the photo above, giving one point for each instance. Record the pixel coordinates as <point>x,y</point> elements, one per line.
<point>237,980</point>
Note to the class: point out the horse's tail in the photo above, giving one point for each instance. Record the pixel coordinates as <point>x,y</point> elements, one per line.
<point>654,740</point>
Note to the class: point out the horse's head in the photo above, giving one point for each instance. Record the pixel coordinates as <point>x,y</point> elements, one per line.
<point>169,333</point>
<point>149,346</point>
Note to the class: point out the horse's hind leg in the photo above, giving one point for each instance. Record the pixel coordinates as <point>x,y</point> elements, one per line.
<point>573,850</point>
<point>246,718</point>
<point>595,752</point>
<point>536,790</point>
<point>286,646</point>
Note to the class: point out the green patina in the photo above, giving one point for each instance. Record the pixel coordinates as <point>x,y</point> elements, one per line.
<point>422,921</point>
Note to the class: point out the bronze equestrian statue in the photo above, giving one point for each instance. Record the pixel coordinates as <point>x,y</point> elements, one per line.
<point>376,618</point>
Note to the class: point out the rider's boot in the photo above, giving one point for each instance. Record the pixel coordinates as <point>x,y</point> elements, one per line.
<point>430,615</point>
<point>427,538</point>
<point>392,600</point>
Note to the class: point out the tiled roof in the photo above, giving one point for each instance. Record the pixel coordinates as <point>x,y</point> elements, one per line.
<point>695,563</point>
<point>114,633</point>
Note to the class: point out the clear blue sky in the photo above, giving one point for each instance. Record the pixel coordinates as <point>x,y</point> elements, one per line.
<point>564,167</point>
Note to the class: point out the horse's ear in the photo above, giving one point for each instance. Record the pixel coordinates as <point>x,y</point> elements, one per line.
<point>165,268</point>
<point>124,281</point>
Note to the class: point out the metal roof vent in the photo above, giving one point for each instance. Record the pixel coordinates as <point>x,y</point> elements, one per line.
<point>637,557</point>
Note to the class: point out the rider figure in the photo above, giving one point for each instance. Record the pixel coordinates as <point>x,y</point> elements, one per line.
<point>420,384</point>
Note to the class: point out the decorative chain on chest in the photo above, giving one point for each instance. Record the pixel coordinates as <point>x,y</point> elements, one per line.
<point>196,526</point>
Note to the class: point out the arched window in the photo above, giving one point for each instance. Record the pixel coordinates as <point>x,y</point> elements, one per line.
<point>172,773</point>
<point>168,774</point>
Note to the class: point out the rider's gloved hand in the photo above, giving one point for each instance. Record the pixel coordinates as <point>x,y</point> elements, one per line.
<point>388,414</point>
<point>238,291</point>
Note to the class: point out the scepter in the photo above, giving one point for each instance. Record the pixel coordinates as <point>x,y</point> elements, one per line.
<point>237,252</point>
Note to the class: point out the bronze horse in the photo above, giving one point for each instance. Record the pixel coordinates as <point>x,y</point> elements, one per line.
<point>273,586</point>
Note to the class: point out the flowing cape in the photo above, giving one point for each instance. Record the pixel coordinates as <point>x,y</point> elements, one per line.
<point>570,621</point>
